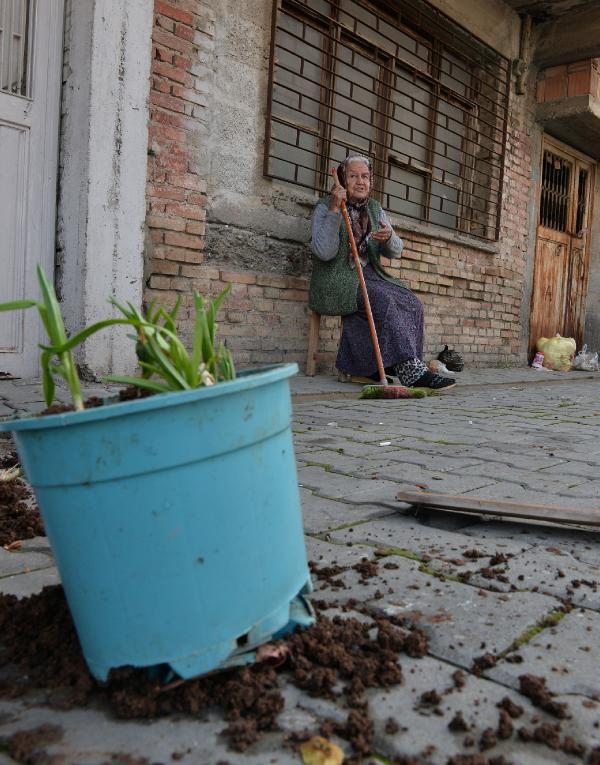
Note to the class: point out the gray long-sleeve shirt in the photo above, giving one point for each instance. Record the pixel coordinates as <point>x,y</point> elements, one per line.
<point>325,240</point>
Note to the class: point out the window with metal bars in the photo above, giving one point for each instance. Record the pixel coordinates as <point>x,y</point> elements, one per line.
<point>402,84</point>
<point>16,23</point>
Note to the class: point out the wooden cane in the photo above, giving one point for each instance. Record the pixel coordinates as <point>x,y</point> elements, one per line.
<point>363,288</point>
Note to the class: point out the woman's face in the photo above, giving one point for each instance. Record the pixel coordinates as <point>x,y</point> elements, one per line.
<point>358,181</point>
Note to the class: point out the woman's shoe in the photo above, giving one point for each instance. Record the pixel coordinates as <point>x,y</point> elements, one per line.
<point>435,382</point>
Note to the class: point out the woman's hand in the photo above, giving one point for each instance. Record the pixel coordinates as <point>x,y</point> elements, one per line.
<point>338,195</point>
<point>384,232</point>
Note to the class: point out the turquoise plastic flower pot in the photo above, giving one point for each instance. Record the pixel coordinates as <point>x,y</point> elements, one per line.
<point>175,522</point>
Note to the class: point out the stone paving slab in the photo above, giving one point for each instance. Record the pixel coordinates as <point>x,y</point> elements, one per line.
<point>22,561</point>
<point>565,654</point>
<point>514,491</point>
<point>93,737</point>
<point>403,531</point>
<point>23,585</point>
<point>326,554</point>
<point>323,514</point>
<point>422,726</point>
<point>581,544</point>
<point>548,480</point>
<point>337,486</point>
<point>462,622</point>
<point>553,571</point>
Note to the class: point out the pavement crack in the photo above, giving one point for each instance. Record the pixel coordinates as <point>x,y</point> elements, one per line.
<point>551,619</point>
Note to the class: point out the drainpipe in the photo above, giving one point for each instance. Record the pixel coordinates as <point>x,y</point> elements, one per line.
<point>521,64</point>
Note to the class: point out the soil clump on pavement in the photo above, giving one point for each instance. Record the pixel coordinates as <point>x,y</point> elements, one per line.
<point>19,515</point>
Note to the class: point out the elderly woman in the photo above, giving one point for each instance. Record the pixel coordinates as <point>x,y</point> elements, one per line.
<point>334,289</point>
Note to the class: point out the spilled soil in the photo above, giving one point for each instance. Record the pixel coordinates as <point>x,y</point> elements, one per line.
<point>19,515</point>
<point>338,658</point>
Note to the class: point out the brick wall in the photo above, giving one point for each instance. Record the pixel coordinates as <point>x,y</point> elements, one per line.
<point>472,297</point>
<point>265,317</point>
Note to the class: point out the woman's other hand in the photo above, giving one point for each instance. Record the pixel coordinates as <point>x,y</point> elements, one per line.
<point>338,195</point>
<point>384,232</point>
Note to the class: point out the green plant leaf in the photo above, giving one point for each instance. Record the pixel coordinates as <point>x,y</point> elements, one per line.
<point>16,305</point>
<point>47,378</point>
<point>55,326</point>
<point>168,371</point>
<point>139,382</point>
<point>77,339</point>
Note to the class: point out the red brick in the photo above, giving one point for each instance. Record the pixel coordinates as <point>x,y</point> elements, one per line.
<point>167,132</point>
<point>166,267</point>
<point>187,181</point>
<point>166,192</point>
<point>170,10</point>
<point>195,227</point>
<point>191,212</point>
<point>184,31</point>
<point>173,73</point>
<point>169,40</point>
<point>184,240</point>
<point>160,282</point>
<point>171,224</point>
<point>167,102</point>
<point>238,277</point>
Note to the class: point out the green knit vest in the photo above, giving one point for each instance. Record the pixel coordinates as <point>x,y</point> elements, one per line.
<point>333,283</point>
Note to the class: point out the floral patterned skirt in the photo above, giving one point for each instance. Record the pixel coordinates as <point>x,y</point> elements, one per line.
<point>398,315</point>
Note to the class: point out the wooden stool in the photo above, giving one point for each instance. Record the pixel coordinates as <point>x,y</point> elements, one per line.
<point>313,354</point>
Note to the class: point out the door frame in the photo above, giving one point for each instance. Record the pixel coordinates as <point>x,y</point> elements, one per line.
<point>549,142</point>
<point>40,169</point>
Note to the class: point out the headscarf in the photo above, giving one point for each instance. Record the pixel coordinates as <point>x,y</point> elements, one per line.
<point>357,211</point>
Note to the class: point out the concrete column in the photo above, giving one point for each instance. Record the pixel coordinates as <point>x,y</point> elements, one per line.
<point>103,170</point>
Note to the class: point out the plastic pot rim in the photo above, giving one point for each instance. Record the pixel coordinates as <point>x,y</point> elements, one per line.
<point>245,380</point>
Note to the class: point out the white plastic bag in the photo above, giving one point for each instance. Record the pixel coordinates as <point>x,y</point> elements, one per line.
<point>586,361</point>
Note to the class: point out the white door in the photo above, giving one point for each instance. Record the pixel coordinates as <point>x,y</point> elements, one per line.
<point>30,77</point>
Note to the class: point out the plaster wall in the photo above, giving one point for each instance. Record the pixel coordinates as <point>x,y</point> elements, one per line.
<point>104,140</point>
<point>572,37</point>
<point>253,223</point>
<point>492,21</point>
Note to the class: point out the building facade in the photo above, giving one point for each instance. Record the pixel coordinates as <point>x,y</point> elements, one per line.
<point>190,141</point>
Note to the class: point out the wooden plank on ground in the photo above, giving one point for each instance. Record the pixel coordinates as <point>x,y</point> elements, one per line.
<point>502,507</point>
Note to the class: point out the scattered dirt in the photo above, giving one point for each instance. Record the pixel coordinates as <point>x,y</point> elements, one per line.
<point>336,656</point>
<point>535,689</point>
<point>366,568</point>
<point>27,746</point>
<point>93,402</point>
<point>473,554</point>
<point>132,392</point>
<point>488,739</point>
<point>431,698</point>
<point>458,724</point>
<point>513,709</point>
<point>505,725</point>
<point>498,558</point>
<point>19,515</point>
<point>481,663</point>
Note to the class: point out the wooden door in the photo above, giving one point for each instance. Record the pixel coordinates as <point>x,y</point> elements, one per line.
<point>562,245</point>
<point>30,77</point>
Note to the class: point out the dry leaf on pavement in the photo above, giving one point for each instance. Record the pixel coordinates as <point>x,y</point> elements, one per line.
<point>320,751</point>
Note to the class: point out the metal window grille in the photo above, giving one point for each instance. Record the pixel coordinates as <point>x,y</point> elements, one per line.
<point>555,199</point>
<point>401,83</point>
<point>16,26</point>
